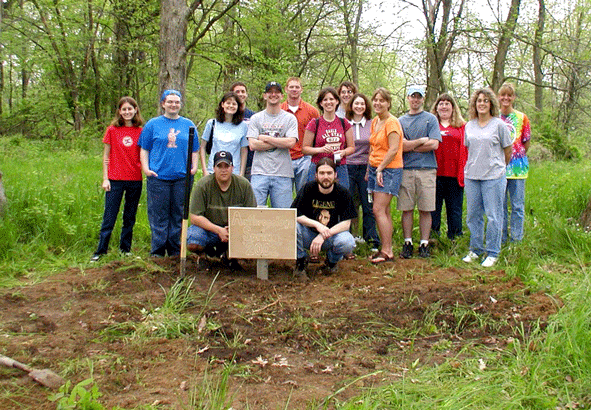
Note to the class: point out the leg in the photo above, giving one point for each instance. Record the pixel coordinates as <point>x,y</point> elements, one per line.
<point>260,187</point>
<point>355,189</point>
<point>424,225</point>
<point>370,232</point>
<point>343,176</point>
<point>338,245</point>
<point>158,195</point>
<point>505,234</point>
<point>381,211</point>
<point>517,195</point>
<point>304,240</point>
<point>198,239</point>
<point>407,223</point>
<point>177,201</point>
<point>440,189</point>
<point>493,192</point>
<point>300,170</point>
<point>112,204</point>
<point>475,215</point>
<point>133,192</point>
<point>426,181</point>
<point>280,192</point>
<point>453,208</point>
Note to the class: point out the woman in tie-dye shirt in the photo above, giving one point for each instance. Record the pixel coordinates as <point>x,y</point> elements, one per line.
<point>518,167</point>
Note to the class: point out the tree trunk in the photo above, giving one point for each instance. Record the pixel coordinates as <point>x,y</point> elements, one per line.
<point>537,59</point>
<point>173,52</point>
<point>507,31</point>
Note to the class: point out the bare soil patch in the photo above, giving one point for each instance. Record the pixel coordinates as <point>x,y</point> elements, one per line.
<point>282,340</point>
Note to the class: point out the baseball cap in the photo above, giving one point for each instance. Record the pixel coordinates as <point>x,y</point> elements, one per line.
<point>222,156</point>
<point>272,84</point>
<point>416,89</point>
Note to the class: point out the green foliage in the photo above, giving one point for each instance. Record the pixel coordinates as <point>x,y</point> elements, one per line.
<point>79,397</point>
<point>548,132</point>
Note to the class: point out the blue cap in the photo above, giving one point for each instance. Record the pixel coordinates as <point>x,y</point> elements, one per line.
<point>416,89</point>
<point>166,93</point>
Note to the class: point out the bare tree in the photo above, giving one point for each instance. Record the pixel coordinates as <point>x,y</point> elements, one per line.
<point>537,59</point>
<point>507,32</point>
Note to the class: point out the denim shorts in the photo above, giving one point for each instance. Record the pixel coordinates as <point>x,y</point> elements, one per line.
<point>392,178</point>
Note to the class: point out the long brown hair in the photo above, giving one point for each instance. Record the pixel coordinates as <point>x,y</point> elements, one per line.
<point>492,98</point>
<point>367,113</point>
<point>136,121</point>
<point>456,120</point>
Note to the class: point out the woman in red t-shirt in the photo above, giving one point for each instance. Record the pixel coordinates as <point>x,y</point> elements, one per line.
<point>122,175</point>
<point>451,159</point>
<point>329,136</point>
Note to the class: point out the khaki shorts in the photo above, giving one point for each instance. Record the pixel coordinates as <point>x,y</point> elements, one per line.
<point>417,189</point>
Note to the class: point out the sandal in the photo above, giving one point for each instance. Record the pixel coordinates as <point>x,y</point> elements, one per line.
<point>380,257</point>
<point>349,256</point>
<point>314,259</point>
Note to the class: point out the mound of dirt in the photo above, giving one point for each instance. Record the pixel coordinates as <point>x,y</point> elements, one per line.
<point>278,340</point>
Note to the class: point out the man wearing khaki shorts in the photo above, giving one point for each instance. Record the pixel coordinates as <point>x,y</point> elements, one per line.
<point>421,138</point>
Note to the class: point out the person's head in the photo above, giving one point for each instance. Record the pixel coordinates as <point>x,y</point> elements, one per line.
<point>171,102</point>
<point>415,96</point>
<point>507,96</point>
<point>381,100</point>
<point>294,88</point>
<point>483,101</point>
<point>328,96</point>
<point>127,110</point>
<point>346,91</point>
<point>223,166</point>
<point>239,88</point>
<point>360,105</point>
<point>273,93</point>
<point>230,104</point>
<point>445,108</point>
<point>326,172</point>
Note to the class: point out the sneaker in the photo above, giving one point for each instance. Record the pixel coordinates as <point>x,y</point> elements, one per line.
<point>126,254</point>
<point>359,239</point>
<point>470,257</point>
<point>424,251</point>
<point>329,268</point>
<point>407,250</point>
<point>489,261</point>
<point>96,257</point>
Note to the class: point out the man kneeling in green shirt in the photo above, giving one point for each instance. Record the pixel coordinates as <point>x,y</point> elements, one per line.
<point>210,199</point>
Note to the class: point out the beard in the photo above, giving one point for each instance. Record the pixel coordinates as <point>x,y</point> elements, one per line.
<point>326,183</point>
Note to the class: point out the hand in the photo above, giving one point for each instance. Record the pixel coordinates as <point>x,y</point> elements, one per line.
<point>380,178</point>
<point>106,185</point>
<point>341,152</point>
<point>224,233</point>
<point>326,149</point>
<point>194,169</point>
<point>366,177</point>
<point>316,245</point>
<point>205,172</point>
<point>326,234</point>
<point>150,173</point>
<point>322,228</point>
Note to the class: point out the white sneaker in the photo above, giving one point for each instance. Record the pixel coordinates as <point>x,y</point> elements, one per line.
<point>470,257</point>
<point>489,261</point>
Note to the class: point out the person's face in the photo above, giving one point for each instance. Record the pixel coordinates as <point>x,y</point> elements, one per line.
<point>127,111</point>
<point>358,106</point>
<point>346,94</point>
<point>294,90</point>
<point>230,106</point>
<point>223,172</point>
<point>444,109</point>
<point>380,104</point>
<point>506,100</point>
<point>172,105</point>
<point>329,103</point>
<point>240,91</point>
<point>482,105</point>
<point>325,176</point>
<point>273,96</point>
<point>415,101</point>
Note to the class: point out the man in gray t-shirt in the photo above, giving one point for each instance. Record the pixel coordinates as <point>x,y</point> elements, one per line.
<point>271,133</point>
<point>421,139</point>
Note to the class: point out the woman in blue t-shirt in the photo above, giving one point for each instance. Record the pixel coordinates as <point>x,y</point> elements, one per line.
<point>164,142</point>
<point>227,132</point>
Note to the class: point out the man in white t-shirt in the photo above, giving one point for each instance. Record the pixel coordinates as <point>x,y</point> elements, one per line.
<point>271,133</point>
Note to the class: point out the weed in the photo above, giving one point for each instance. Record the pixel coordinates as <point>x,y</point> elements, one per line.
<point>79,397</point>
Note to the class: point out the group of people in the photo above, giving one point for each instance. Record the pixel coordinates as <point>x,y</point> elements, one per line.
<point>336,158</point>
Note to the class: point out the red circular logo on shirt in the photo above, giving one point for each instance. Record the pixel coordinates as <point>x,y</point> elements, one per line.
<point>127,141</point>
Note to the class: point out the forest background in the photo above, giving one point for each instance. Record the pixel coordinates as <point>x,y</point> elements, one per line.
<point>65,63</point>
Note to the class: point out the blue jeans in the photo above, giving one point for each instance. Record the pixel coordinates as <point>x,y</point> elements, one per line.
<point>342,175</point>
<point>300,171</point>
<point>165,214</point>
<point>335,247</point>
<point>485,197</point>
<point>277,188</point>
<point>358,185</point>
<point>452,193</point>
<point>516,195</point>
<point>113,198</point>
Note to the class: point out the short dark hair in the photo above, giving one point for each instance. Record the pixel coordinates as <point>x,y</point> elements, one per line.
<point>348,84</point>
<point>237,117</point>
<point>326,161</point>
<point>367,113</point>
<point>322,94</point>
<point>236,84</point>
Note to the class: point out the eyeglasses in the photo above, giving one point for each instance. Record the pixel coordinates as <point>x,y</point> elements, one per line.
<point>346,92</point>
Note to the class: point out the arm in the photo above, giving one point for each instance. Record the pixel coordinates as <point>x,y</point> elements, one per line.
<point>393,141</point>
<point>278,142</point>
<point>526,145</point>
<point>508,151</point>
<point>349,143</point>
<point>194,162</point>
<point>106,182</point>
<point>430,145</point>
<point>203,222</point>
<point>308,149</point>
<point>256,144</point>
<point>145,161</point>
<point>203,154</point>
<point>412,145</point>
<point>243,156</point>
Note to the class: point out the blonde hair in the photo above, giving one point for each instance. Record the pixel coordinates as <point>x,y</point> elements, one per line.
<point>456,120</point>
<point>507,88</point>
<point>385,94</point>
<point>494,102</point>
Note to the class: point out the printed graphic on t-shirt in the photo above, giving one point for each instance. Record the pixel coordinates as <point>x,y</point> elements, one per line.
<point>127,141</point>
<point>332,138</point>
<point>322,210</point>
<point>272,130</point>
<point>172,133</point>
